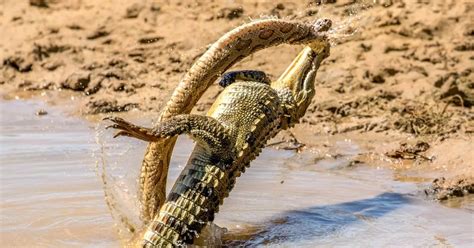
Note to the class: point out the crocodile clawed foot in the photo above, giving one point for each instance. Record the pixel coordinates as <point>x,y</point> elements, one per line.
<point>128,129</point>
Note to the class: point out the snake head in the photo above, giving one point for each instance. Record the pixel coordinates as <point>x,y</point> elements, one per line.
<point>317,32</point>
<point>299,77</point>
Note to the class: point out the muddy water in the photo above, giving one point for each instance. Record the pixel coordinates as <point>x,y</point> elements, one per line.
<point>52,193</point>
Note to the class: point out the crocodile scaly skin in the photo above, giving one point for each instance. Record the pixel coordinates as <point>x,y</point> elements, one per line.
<point>239,123</point>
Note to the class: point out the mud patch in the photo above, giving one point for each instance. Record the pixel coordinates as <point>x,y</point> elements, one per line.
<point>443,189</point>
<point>108,105</point>
<point>410,151</point>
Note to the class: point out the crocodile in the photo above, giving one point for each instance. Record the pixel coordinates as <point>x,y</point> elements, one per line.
<point>231,48</point>
<point>249,111</point>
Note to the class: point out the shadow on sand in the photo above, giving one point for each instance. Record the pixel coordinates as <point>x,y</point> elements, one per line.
<point>317,221</point>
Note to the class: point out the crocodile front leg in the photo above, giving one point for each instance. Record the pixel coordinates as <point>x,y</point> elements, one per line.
<point>205,130</point>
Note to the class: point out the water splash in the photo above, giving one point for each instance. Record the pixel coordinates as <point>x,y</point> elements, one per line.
<point>117,164</point>
<point>119,180</point>
<point>351,23</point>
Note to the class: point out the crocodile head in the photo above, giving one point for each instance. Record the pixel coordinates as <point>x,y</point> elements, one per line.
<point>298,81</point>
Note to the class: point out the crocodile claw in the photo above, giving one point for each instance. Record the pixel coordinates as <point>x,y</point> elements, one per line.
<point>122,133</point>
<point>130,130</point>
<point>114,126</point>
<point>117,120</point>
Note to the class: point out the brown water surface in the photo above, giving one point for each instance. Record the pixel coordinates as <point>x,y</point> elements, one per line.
<point>52,193</point>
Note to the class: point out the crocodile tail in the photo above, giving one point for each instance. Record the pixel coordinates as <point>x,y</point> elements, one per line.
<point>192,202</point>
<point>228,50</point>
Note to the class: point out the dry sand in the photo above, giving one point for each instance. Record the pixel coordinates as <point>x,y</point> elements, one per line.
<point>399,81</point>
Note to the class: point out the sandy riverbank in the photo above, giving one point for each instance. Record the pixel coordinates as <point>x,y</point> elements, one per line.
<point>400,71</point>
